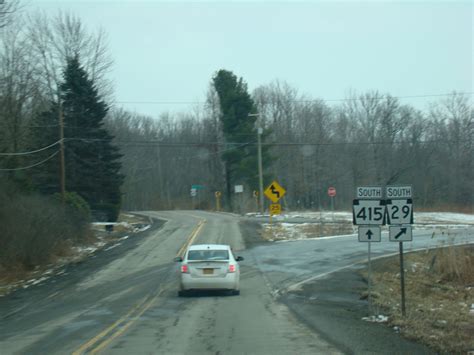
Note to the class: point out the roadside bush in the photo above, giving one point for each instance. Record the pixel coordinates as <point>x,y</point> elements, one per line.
<point>35,229</point>
<point>77,203</point>
<point>106,212</point>
<point>454,264</point>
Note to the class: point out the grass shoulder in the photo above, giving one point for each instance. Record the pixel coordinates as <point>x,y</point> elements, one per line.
<point>439,287</point>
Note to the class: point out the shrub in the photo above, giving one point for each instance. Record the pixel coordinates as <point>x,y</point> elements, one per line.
<point>35,229</point>
<point>76,202</point>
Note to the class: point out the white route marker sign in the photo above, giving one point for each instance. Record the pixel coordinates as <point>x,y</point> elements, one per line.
<point>400,234</point>
<point>369,193</point>
<point>369,234</point>
<point>398,192</point>
<point>368,212</point>
<point>399,211</point>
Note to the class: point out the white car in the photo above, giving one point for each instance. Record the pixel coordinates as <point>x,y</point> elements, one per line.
<point>209,267</point>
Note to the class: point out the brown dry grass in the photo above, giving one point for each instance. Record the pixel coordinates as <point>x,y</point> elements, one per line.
<point>16,274</point>
<point>312,230</point>
<point>439,287</point>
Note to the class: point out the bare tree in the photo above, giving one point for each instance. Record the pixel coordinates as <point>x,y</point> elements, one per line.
<point>64,36</point>
<point>7,9</point>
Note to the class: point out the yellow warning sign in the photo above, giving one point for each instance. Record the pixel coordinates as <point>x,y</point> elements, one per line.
<point>275,208</point>
<point>274,192</point>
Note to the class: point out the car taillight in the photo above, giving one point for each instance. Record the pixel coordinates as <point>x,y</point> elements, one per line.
<point>231,268</point>
<point>184,269</point>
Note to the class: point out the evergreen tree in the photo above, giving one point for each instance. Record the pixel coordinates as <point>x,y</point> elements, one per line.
<point>45,132</point>
<point>240,156</point>
<point>92,161</point>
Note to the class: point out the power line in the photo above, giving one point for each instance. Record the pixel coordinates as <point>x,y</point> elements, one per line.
<point>155,102</point>
<point>33,151</point>
<point>151,143</point>
<point>32,166</point>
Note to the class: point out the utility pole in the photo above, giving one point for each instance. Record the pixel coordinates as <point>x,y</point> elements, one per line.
<point>260,173</point>
<point>61,149</point>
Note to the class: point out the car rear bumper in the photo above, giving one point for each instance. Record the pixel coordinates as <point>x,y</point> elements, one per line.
<point>229,282</point>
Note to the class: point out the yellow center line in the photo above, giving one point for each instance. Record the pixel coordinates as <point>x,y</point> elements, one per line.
<point>135,312</point>
<point>102,334</point>
<point>127,325</point>
<point>191,238</point>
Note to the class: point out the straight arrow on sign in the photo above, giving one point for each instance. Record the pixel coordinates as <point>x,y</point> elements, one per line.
<point>369,234</point>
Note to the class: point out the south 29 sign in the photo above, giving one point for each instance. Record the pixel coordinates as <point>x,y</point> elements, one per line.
<point>368,212</point>
<point>399,211</point>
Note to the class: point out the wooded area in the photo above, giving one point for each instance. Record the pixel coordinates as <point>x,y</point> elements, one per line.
<point>367,138</point>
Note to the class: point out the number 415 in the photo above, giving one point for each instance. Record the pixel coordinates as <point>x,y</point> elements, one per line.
<point>371,213</point>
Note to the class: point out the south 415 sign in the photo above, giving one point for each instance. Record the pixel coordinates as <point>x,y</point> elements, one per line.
<point>368,212</point>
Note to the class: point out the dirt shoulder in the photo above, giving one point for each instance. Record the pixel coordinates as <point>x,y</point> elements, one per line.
<point>334,308</point>
<point>126,232</point>
<point>439,286</point>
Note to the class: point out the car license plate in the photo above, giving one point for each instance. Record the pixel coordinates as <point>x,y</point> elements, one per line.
<point>208,271</point>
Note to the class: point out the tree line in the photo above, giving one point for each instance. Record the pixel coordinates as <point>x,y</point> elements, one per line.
<point>53,102</point>
<point>367,139</point>
<point>53,65</point>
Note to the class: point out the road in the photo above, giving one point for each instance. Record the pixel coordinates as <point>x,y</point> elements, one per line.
<point>130,305</point>
<point>124,300</point>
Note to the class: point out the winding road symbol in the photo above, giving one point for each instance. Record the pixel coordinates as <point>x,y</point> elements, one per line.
<point>274,192</point>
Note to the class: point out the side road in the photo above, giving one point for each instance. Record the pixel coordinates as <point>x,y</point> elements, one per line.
<point>330,305</point>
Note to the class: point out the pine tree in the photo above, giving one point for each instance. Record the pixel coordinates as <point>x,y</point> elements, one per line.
<point>45,132</point>
<point>92,161</point>
<point>240,156</point>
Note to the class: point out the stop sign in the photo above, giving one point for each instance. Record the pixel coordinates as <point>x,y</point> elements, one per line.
<point>332,191</point>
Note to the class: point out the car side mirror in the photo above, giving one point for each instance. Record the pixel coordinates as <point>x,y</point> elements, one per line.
<point>178,259</point>
<point>239,258</point>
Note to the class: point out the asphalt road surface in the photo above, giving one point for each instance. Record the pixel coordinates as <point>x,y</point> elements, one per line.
<point>129,305</point>
<point>124,300</point>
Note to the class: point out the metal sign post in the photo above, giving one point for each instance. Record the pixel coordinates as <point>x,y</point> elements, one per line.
<point>369,278</point>
<point>368,212</point>
<point>400,214</point>
<point>369,234</point>
<point>402,278</point>
<point>218,200</point>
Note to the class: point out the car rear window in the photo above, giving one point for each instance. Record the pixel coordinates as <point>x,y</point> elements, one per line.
<point>208,255</point>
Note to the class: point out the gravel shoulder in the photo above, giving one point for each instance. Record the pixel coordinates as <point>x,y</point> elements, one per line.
<point>333,307</point>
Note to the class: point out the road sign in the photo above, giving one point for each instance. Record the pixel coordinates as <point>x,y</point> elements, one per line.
<point>255,193</point>
<point>193,192</point>
<point>239,189</point>
<point>398,192</point>
<point>368,212</point>
<point>274,192</point>
<point>198,187</point>
<point>369,234</point>
<point>218,194</point>
<point>400,234</point>
<point>275,208</point>
<point>369,193</point>
<point>399,211</point>
<point>331,191</point>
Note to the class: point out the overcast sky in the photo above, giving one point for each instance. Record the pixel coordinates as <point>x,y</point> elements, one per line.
<point>169,51</point>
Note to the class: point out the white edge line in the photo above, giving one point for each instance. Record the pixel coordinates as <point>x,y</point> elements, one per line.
<point>295,286</point>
